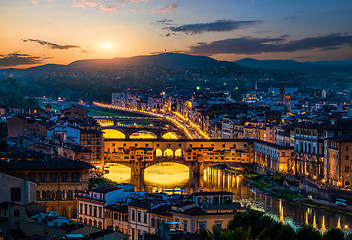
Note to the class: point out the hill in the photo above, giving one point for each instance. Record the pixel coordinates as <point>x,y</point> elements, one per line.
<point>295,66</point>
<point>164,59</point>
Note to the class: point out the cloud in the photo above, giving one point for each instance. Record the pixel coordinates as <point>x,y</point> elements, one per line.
<point>249,45</point>
<point>16,59</point>
<point>166,9</point>
<point>104,5</point>
<point>291,18</point>
<point>164,22</point>
<point>34,2</point>
<point>51,45</point>
<point>85,3</point>
<point>138,10</point>
<point>109,7</point>
<point>217,26</point>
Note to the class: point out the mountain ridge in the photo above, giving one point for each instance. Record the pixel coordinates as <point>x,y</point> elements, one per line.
<point>295,66</point>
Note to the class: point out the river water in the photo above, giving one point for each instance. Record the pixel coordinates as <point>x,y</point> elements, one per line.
<point>173,177</point>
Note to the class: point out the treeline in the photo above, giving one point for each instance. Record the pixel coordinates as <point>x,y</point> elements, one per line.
<point>12,99</point>
<point>58,87</point>
<point>254,224</point>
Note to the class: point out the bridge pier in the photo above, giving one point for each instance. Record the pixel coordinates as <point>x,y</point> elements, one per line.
<point>137,175</point>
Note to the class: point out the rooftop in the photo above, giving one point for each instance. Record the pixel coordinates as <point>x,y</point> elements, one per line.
<point>105,189</point>
<point>212,193</point>
<point>50,163</point>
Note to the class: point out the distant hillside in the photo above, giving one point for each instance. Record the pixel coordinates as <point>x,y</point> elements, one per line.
<point>294,66</point>
<point>165,59</point>
<point>96,79</point>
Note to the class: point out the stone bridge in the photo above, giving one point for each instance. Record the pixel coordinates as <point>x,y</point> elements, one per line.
<point>128,130</point>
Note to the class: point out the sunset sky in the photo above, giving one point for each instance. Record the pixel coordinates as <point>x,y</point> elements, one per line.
<point>35,32</point>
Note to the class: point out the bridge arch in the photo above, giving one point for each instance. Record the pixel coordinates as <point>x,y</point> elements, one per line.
<point>118,172</point>
<point>170,135</point>
<point>113,133</point>
<point>158,152</point>
<point>168,153</point>
<point>178,153</point>
<point>143,134</point>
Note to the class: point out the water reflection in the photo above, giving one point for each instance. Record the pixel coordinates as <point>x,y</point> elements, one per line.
<point>166,174</point>
<point>170,176</point>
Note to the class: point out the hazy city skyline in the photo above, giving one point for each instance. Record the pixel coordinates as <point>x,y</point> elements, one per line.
<point>57,31</point>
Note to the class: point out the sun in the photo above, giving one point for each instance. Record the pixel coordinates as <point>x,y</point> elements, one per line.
<point>106,45</point>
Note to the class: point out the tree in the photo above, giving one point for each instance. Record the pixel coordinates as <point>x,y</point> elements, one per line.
<point>334,234</point>
<point>226,234</point>
<point>307,232</point>
<point>286,233</point>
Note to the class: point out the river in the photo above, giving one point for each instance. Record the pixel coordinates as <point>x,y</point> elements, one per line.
<point>175,177</point>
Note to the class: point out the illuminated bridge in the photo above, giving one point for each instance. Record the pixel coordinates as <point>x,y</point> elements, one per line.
<point>116,119</point>
<point>197,154</point>
<point>141,132</point>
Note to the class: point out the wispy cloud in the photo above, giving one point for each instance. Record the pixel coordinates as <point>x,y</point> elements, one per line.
<point>166,9</point>
<point>109,7</point>
<point>85,3</point>
<point>51,45</point>
<point>291,18</point>
<point>217,26</point>
<point>138,10</point>
<point>34,2</point>
<point>249,45</point>
<point>16,59</point>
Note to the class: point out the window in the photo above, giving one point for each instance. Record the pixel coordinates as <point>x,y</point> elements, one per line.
<point>90,210</point>
<point>185,223</point>
<point>31,177</point>
<point>145,217</point>
<point>133,215</point>
<point>53,177</point>
<point>42,177</point>
<point>218,224</point>
<point>17,213</point>
<point>85,209</point>
<point>95,211</point>
<point>283,154</point>
<point>75,177</point>
<point>347,169</point>
<point>15,194</point>
<point>177,225</point>
<point>347,157</point>
<point>100,209</point>
<point>139,216</point>
<point>81,208</point>
<point>202,225</point>
<point>64,177</point>
<point>153,222</point>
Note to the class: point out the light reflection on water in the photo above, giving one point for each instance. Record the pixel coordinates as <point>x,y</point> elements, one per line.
<point>166,174</point>
<point>176,176</point>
